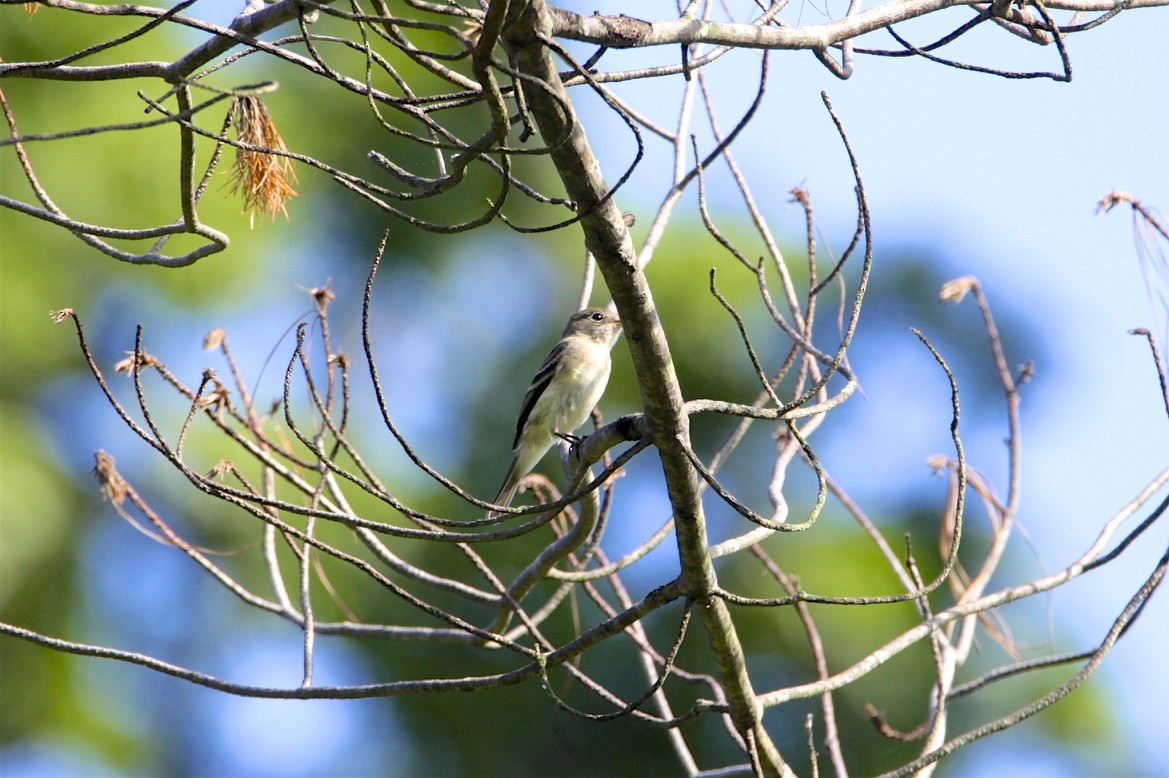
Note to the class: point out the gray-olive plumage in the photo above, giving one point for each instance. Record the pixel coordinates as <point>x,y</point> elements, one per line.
<point>563,393</point>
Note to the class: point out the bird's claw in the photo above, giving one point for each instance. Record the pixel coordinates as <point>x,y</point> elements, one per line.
<point>573,440</point>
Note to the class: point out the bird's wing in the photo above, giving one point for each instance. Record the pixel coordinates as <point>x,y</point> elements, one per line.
<point>543,377</point>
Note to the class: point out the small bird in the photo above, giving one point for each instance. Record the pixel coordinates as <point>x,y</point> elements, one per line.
<point>563,393</point>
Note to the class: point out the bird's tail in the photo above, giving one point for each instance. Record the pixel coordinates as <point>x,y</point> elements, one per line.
<point>511,483</point>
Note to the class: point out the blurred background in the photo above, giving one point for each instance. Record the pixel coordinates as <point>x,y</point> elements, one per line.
<point>965,173</point>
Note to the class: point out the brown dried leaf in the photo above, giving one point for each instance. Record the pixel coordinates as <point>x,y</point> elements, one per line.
<point>214,339</point>
<point>135,361</point>
<point>954,291</point>
<point>112,485</point>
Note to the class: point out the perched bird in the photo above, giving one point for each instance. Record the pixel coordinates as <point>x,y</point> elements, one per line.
<point>563,393</point>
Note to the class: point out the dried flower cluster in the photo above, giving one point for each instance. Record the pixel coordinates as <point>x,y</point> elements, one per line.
<point>261,176</point>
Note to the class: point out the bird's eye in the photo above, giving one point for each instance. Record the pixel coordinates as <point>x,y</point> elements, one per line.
<point>598,316</point>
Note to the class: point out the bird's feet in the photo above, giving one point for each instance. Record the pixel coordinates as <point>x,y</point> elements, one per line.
<point>573,440</point>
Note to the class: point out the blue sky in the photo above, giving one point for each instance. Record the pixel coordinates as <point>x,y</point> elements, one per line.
<point>1003,176</point>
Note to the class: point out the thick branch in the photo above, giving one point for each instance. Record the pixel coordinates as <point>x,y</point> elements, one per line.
<point>608,240</point>
<point>622,32</point>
